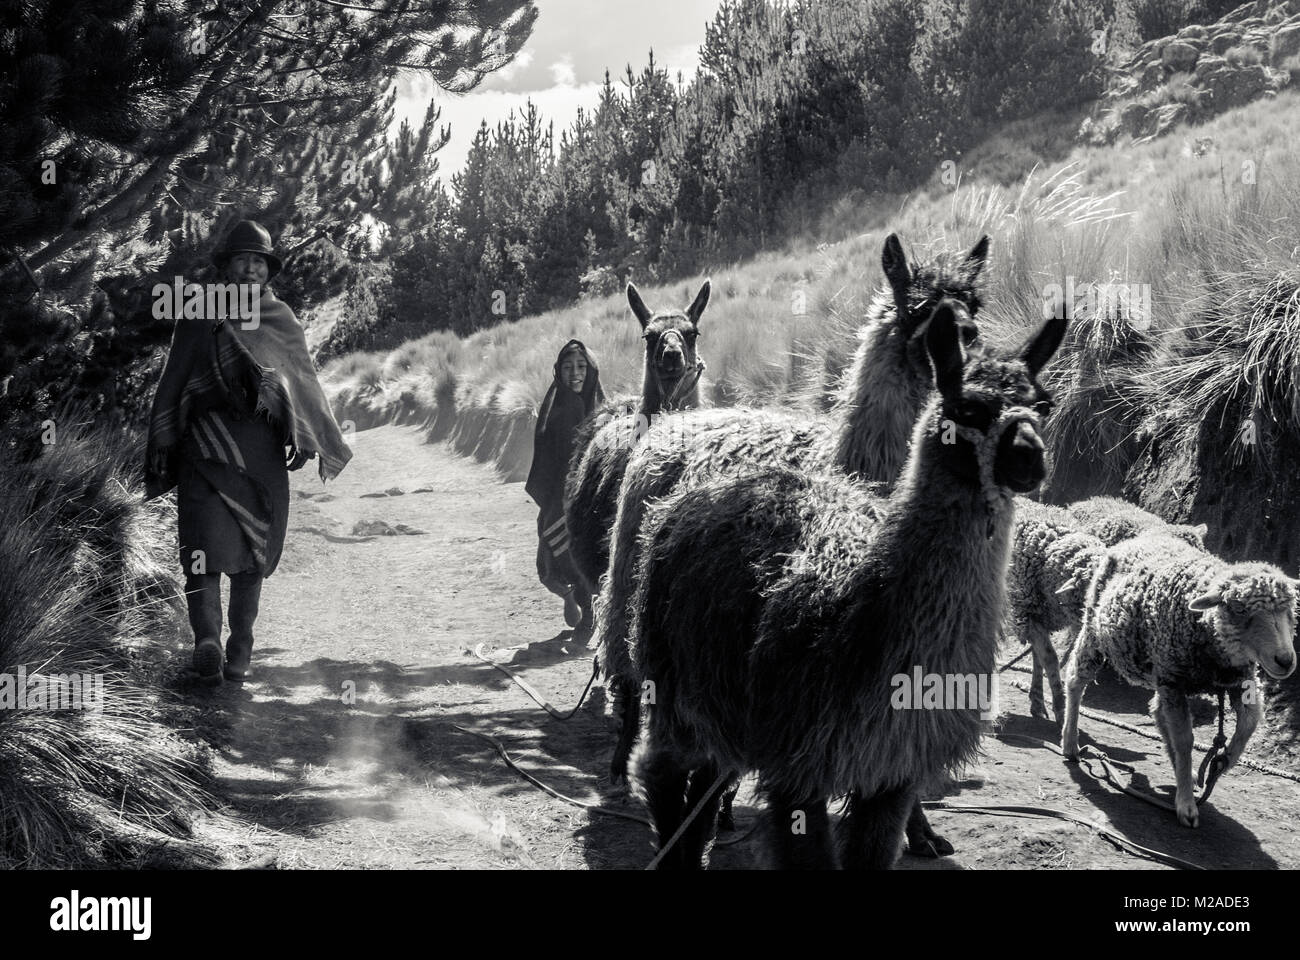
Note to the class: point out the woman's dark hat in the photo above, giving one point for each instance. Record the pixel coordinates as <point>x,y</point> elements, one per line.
<point>248,236</point>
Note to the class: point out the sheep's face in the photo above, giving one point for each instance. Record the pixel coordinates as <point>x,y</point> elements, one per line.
<point>1254,611</point>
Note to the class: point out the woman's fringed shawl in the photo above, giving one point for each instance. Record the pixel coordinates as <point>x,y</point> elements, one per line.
<point>557,418</point>
<point>270,362</point>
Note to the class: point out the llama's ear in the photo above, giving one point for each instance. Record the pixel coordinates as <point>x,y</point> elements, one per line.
<point>943,344</point>
<point>1201,529</point>
<point>637,304</point>
<point>897,272</point>
<point>701,301</point>
<point>977,257</point>
<point>1040,349</point>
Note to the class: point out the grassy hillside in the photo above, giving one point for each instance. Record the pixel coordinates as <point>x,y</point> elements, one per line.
<point>1131,214</point>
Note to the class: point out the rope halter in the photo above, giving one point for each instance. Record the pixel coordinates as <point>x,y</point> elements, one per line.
<point>986,443</point>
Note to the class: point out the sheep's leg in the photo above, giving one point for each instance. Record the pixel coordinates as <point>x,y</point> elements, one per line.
<point>1052,667</point>
<point>1174,718</point>
<point>1248,717</point>
<point>1080,668</point>
<point>1037,638</point>
<point>663,780</point>
<point>696,837</point>
<point>922,841</point>
<point>629,714</point>
<point>873,828</point>
<point>800,833</point>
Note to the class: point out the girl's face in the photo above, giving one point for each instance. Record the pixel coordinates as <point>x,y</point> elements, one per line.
<point>573,371</point>
<point>248,268</point>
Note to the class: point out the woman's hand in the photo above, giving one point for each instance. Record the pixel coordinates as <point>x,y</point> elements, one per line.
<point>297,458</point>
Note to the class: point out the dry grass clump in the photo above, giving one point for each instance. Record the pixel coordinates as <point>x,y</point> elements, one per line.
<point>89,591</point>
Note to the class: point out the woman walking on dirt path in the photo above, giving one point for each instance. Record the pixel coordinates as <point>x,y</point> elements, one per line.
<point>237,407</point>
<point>573,395</point>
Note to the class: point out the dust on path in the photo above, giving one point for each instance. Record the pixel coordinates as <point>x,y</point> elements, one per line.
<point>340,753</point>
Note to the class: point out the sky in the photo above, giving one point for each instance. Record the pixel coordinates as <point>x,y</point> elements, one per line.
<point>562,65</point>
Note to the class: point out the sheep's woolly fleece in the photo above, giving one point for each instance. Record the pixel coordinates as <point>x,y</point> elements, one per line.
<point>1115,520</point>
<point>1052,563</point>
<point>1137,613</point>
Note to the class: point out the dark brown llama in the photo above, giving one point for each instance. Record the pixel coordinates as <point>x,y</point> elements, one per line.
<point>866,435</point>
<point>670,380</point>
<point>775,611</point>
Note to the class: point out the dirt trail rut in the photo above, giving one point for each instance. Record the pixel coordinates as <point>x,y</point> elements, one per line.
<point>341,751</point>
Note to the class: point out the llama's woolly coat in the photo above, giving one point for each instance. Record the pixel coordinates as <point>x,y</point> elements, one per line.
<point>813,599</point>
<point>687,449</point>
<point>1137,616</point>
<point>596,466</point>
<point>867,435</point>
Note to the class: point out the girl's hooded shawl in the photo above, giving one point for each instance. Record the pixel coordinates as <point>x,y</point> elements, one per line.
<point>557,418</point>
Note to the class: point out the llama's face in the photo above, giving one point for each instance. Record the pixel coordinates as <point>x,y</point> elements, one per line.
<point>919,290</point>
<point>1253,612</point>
<point>670,337</point>
<point>996,404</point>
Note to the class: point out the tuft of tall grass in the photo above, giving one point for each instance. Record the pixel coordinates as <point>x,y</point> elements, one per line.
<point>88,591</point>
<point>1236,341</point>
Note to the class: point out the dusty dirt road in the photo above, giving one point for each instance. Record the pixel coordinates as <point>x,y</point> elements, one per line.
<point>342,751</point>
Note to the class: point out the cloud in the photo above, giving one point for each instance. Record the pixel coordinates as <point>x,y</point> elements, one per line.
<point>520,64</point>
<point>563,73</point>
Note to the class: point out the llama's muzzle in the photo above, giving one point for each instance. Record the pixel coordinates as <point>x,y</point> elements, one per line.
<point>1021,462</point>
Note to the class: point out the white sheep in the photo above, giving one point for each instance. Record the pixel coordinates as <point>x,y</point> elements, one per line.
<point>1177,620</point>
<point>1052,563</point>
<point>1054,553</point>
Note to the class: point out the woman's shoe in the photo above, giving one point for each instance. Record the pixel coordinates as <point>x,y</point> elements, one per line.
<point>207,661</point>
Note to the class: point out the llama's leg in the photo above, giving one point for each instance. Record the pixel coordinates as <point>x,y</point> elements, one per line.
<point>1174,718</point>
<point>696,837</point>
<point>663,781</point>
<point>873,828</point>
<point>922,841</point>
<point>1079,670</point>
<point>1248,717</point>
<point>628,712</point>
<point>800,833</point>
<point>726,819</point>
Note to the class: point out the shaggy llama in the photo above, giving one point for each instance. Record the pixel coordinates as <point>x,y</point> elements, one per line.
<point>867,435</point>
<point>670,380</point>
<point>818,593</point>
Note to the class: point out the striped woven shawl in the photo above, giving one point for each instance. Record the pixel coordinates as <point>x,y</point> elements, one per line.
<point>209,361</point>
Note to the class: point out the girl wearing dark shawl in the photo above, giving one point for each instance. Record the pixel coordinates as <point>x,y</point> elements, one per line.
<point>238,406</point>
<point>573,395</point>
